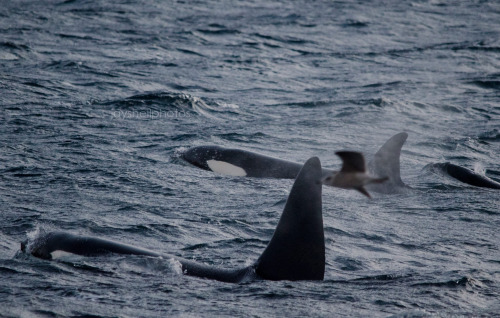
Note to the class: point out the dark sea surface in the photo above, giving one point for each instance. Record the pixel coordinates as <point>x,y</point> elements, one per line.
<point>98,99</point>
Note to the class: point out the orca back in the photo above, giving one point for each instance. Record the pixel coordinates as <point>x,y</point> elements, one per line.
<point>45,245</point>
<point>468,176</point>
<point>238,162</point>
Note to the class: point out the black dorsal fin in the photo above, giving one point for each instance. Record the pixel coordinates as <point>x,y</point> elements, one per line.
<point>297,248</point>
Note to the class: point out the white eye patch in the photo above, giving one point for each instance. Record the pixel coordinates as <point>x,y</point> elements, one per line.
<point>59,254</point>
<point>226,168</point>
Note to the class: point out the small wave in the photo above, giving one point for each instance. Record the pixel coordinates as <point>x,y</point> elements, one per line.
<point>454,283</point>
<point>184,137</point>
<point>225,243</point>
<point>218,29</point>
<point>409,246</point>
<point>281,39</point>
<point>10,51</point>
<point>68,2</point>
<point>478,46</point>
<point>385,303</point>
<point>492,135</point>
<point>158,105</point>
<point>23,172</point>
<point>384,84</point>
<point>308,104</point>
<point>492,172</point>
<point>243,138</point>
<point>279,202</point>
<point>8,271</point>
<point>488,84</point>
<point>60,65</point>
<point>349,264</point>
<point>335,232</point>
<point>382,278</point>
<point>34,84</point>
<point>75,36</point>
<point>14,46</point>
<point>190,52</point>
<point>72,66</point>
<point>412,314</point>
<point>378,102</point>
<point>370,237</point>
<point>195,247</point>
<point>84,267</point>
<point>353,23</point>
<point>445,46</point>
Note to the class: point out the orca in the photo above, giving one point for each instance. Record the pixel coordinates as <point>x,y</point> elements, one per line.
<point>296,250</point>
<point>466,175</point>
<point>237,162</point>
<point>353,174</point>
<point>240,163</point>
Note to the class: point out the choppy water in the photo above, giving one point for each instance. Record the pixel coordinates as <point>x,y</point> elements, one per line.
<point>99,98</point>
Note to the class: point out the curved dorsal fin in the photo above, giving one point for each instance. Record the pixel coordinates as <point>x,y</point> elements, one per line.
<point>385,163</point>
<point>297,248</point>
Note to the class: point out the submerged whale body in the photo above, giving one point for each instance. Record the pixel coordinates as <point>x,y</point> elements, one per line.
<point>466,175</point>
<point>49,245</point>
<point>237,162</point>
<point>296,250</point>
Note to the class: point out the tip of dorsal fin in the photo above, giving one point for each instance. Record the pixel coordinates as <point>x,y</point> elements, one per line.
<point>297,248</point>
<point>386,163</point>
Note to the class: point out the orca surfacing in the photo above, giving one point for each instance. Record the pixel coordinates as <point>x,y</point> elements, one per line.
<point>295,252</point>
<point>242,163</point>
<point>466,175</point>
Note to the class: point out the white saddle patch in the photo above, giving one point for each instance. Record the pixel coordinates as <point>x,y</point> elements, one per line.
<point>226,168</point>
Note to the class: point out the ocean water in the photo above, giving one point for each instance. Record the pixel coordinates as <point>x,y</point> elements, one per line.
<point>98,99</point>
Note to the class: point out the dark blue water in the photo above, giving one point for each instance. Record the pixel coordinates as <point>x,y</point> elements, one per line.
<point>99,98</point>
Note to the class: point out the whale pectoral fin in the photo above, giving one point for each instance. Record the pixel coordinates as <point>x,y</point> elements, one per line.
<point>297,248</point>
<point>386,161</point>
<point>363,190</point>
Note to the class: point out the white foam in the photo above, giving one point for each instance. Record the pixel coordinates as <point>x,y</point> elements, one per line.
<point>479,169</point>
<point>226,168</point>
<point>176,265</point>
